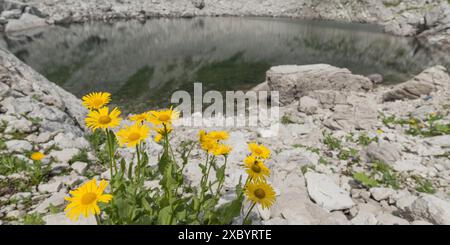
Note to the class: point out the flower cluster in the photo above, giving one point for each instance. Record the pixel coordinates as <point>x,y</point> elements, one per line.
<point>257,190</point>
<point>129,201</point>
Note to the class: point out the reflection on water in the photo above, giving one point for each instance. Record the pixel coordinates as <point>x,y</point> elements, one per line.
<point>143,63</point>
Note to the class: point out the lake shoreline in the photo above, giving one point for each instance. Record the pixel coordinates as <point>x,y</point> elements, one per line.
<point>427,20</point>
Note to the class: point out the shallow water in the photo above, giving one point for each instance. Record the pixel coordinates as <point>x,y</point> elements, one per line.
<point>143,63</point>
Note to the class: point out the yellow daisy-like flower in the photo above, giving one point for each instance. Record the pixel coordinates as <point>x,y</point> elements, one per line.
<point>260,192</point>
<point>209,144</point>
<point>103,119</point>
<point>219,135</point>
<point>37,156</point>
<point>163,116</point>
<point>158,138</point>
<point>161,132</point>
<point>84,199</point>
<point>259,150</point>
<point>96,100</point>
<point>140,117</point>
<point>222,150</point>
<point>256,169</point>
<point>380,131</point>
<point>132,135</point>
<point>202,135</point>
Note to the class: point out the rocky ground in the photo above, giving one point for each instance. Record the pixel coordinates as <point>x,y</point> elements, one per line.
<point>428,20</point>
<point>346,152</point>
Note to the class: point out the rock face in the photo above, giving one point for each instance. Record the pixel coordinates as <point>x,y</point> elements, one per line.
<point>326,193</point>
<point>294,81</point>
<point>423,84</point>
<point>38,98</point>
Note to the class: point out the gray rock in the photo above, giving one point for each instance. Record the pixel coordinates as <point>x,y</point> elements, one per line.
<point>420,222</point>
<point>389,219</point>
<point>12,14</point>
<point>308,105</point>
<point>80,167</point>
<point>431,209</point>
<point>62,219</point>
<point>18,146</point>
<point>375,78</point>
<point>422,84</point>
<point>50,187</point>
<point>293,81</point>
<point>380,193</point>
<point>364,218</point>
<point>275,221</point>
<point>442,141</point>
<point>26,21</point>
<point>65,155</point>
<point>56,200</point>
<point>384,152</point>
<point>326,193</point>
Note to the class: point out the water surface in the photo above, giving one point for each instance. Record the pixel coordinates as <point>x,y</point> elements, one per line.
<point>141,64</point>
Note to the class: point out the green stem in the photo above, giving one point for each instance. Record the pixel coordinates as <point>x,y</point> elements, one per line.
<point>97,218</point>
<point>138,164</point>
<point>219,186</point>
<point>248,213</point>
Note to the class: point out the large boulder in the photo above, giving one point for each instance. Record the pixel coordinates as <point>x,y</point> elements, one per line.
<point>293,81</point>
<point>25,22</point>
<point>426,82</point>
<point>430,208</point>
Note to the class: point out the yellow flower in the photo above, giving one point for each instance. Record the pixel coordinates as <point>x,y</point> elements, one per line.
<point>259,150</point>
<point>256,169</point>
<point>132,135</point>
<point>103,119</point>
<point>260,192</point>
<point>209,144</point>
<point>163,116</point>
<point>158,138</point>
<point>161,132</point>
<point>202,136</point>
<point>84,199</point>
<point>140,117</point>
<point>219,135</point>
<point>96,100</point>
<point>380,131</point>
<point>37,156</point>
<point>222,150</point>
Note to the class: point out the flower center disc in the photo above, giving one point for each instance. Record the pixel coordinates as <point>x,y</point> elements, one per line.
<point>259,193</point>
<point>88,198</point>
<point>164,117</point>
<point>104,120</point>
<point>134,136</point>
<point>256,168</point>
<point>258,151</point>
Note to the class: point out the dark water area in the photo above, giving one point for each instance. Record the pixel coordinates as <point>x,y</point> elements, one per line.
<point>142,64</point>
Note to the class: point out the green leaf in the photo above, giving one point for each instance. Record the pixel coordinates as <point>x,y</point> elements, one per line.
<point>164,216</point>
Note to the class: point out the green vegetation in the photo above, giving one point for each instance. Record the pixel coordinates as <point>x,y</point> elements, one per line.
<point>424,185</point>
<point>365,140</point>
<point>426,128</point>
<point>81,156</point>
<point>136,85</point>
<point>380,174</point>
<point>365,180</point>
<point>332,142</point>
<point>10,164</point>
<point>33,219</point>
<point>285,119</point>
